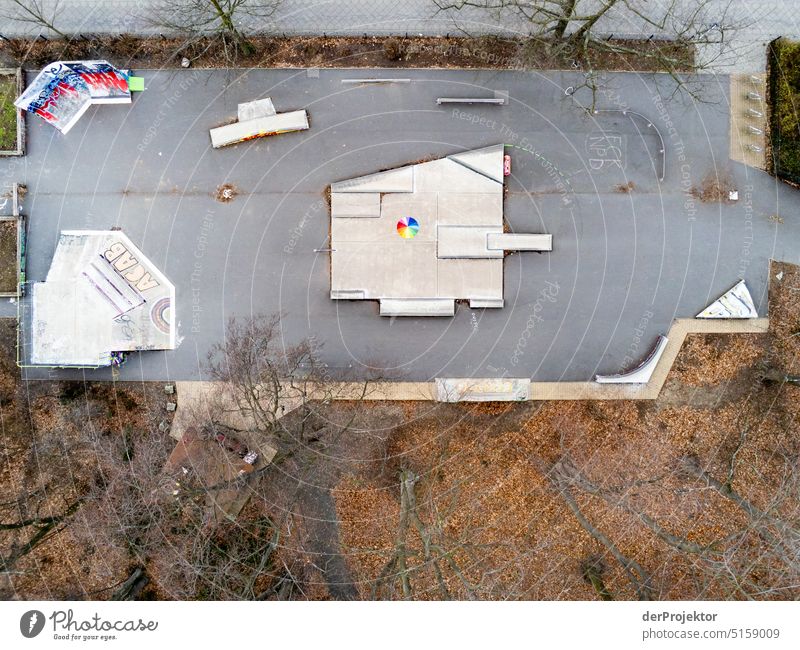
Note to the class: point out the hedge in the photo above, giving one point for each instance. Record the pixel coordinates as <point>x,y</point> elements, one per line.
<point>784,96</point>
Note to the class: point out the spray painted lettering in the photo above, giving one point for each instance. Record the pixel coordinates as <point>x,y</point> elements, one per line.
<point>129,267</point>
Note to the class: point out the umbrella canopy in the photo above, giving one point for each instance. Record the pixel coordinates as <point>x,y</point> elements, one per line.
<point>63,90</point>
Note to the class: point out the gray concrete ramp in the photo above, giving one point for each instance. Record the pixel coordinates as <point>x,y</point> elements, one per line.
<point>345,205</point>
<point>734,303</point>
<point>643,372</point>
<point>510,241</point>
<point>228,134</point>
<point>394,180</point>
<point>418,307</point>
<point>487,161</point>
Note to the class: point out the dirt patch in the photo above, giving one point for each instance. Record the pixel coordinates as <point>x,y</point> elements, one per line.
<point>8,113</point>
<point>347,52</point>
<point>714,358</point>
<point>226,193</point>
<point>8,255</point>
<point>625,188</point>
<point>784,317</point>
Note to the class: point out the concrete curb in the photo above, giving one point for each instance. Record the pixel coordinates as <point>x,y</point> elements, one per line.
<point>194,395</point>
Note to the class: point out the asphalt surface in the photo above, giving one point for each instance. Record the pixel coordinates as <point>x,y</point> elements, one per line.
<point>624,264</point>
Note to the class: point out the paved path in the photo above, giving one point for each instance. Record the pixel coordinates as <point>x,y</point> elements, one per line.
<point>764,20</point>
<point>624,265</point>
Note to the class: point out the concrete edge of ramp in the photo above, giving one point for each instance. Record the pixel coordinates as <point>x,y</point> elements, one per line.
<point>482,390</point>
<point>193,396</point>
<point>680,329</point>
<point>640,374</point>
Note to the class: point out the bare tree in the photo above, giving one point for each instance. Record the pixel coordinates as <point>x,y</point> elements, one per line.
<point>41,13</point>
<point>265,379</point>
<point>426,559</point>
<point>42,526</point>
<point>228,21</point>
<point>593,567</point>
<point>162,518</point>
<point>443,546</point>
<point>754,559</point>
<point>685,35</point>
<point>286,397</point>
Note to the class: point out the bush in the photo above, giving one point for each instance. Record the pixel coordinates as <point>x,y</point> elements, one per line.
<point>784,97</point>
<point>311,48</point>
<point>393,49</point>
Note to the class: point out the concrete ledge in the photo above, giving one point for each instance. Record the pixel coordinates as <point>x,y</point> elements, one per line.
<point>482,390</point>
<point>515,241</point>
<point>223,136</point>
<point>486,303</point>
<point>348,294</point>
<point>418,307</point>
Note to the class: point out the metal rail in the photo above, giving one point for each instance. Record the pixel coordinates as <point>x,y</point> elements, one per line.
<point>471,100</point>
<point>376,81</point>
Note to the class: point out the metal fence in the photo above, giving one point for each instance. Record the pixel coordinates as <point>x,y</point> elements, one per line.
<point>306,17</point>
<point>295,17</point>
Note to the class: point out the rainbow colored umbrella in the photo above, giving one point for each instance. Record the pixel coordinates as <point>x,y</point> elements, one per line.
<point>407,227</point>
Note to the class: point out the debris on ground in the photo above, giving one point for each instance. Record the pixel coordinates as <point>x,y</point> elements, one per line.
<point>717,186</point>
<point>226,193</point>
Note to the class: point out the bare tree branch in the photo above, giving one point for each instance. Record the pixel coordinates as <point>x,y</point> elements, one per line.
<point>34,12</point>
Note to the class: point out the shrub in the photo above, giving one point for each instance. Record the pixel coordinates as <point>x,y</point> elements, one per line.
<point>784,96</point>
<point>393,49</point>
